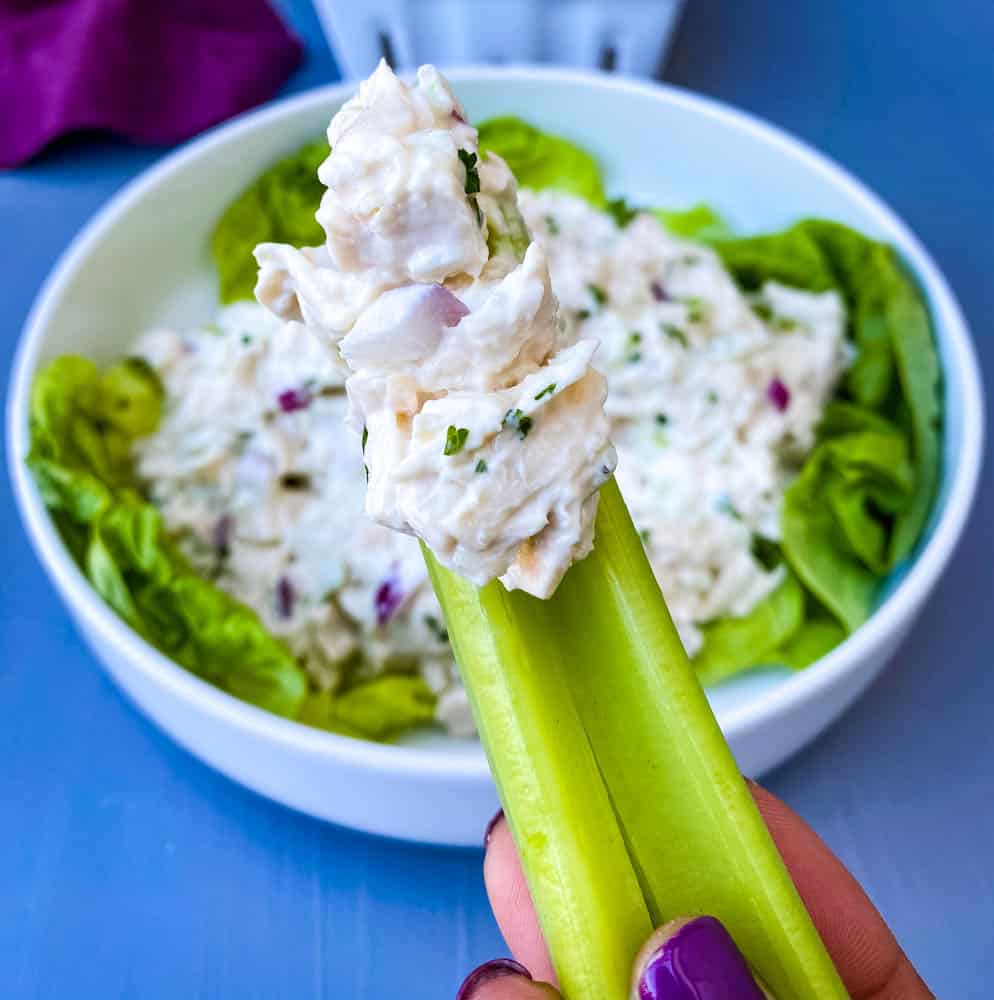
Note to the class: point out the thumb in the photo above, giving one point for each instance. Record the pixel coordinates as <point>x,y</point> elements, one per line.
<point>504,979</point>
<point>693,959</point>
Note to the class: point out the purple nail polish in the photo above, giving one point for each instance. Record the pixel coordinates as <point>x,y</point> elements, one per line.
<point>497,817</point>
<point>699,962</point>
<point>485,973</point>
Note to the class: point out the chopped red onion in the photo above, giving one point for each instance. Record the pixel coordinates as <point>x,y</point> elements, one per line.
<point>285,597</point>
<point>387,600</point>
<point>458,117</point>
<point>778,394</point>
<point>294,399</point>
<point>444,306</point>
<point>659,292</point>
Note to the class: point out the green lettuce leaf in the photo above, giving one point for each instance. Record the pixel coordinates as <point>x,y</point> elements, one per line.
<point>869,520</point>
<point>732,645</point>
<point>378,709</point>
<point>83,424</point>
<point>791,257</point>
<point>836,515</point>
<point>699,222</point>
<point>809,643</point>
<point>540,160</point>
<point>279,206</point>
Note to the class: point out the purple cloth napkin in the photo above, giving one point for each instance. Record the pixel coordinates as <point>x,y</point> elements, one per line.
<point>155,71</point>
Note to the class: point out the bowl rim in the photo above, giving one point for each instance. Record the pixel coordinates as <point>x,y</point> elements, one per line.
<point>470,764</point>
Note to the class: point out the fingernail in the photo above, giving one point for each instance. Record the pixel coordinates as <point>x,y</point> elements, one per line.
<point>699,962</point>
<point>496,969</point>
<point>497,817</point>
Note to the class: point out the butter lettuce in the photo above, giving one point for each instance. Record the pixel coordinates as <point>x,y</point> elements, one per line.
<point>865,493</point>
<point>541,160</point>
<point>279,207</point>
<point>699,222</point>
<point>83,424</point>
<point>732,645</point>
<point>816,637</point>
<point>379,709</point>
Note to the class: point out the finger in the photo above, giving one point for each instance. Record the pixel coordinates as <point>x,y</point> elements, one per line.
<point>870,962</point>
<point>694,957</point>
<point>503,979</point>
<point>512,903</point>
<point>865,952</point>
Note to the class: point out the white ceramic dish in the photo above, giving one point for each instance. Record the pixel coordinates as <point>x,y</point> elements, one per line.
<point>144,259</point>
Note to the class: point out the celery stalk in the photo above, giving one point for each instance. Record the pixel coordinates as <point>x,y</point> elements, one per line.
<point>586,893</point>
<point>696,839</point>
<point>624,800</point>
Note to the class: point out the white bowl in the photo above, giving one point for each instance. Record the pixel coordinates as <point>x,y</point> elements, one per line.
<point>144,259</point>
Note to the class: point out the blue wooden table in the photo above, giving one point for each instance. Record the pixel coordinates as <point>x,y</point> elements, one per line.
<point>127,869</point>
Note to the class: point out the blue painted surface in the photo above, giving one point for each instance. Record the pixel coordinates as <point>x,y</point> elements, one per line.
<point>128,869</point>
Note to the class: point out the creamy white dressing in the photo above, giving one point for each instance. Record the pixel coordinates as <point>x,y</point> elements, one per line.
<point>441,327</point>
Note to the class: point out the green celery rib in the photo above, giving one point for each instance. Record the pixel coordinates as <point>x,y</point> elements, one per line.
<point>585,890</point>
<point>695,836</point>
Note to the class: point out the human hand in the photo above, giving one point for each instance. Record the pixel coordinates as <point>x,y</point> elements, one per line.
<point>696,959</point>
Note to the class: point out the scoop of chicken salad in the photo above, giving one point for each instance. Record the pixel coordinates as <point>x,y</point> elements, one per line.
<point>428,369</point>
<point>481,415</point>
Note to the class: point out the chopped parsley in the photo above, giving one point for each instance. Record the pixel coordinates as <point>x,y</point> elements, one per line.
<point>437,628</point>
<point>472,186</point>
<point>583,314</point>
<point>472,174</point>
<point>645,534</point>
<point>695,310</point>
<point>766,552</point>
<point>547,391</point>
<point>662,419</point>
<point>712,396</point>
<point>552,225</point>
<point>724,505</point>
<point>781,323</point>
<point>295,481</point>
<point>518,421</point>
<point>365,438</point>
<point>481,467</point>
<point>246,339</point>
<point>675,333</point>
<point>598,293</point>
<point>621,211</point>
<point>455,439</point>
<point>634,354</point>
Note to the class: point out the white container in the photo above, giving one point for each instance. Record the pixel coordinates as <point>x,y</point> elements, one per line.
<point>628,36</point>
<point>143,261</point>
